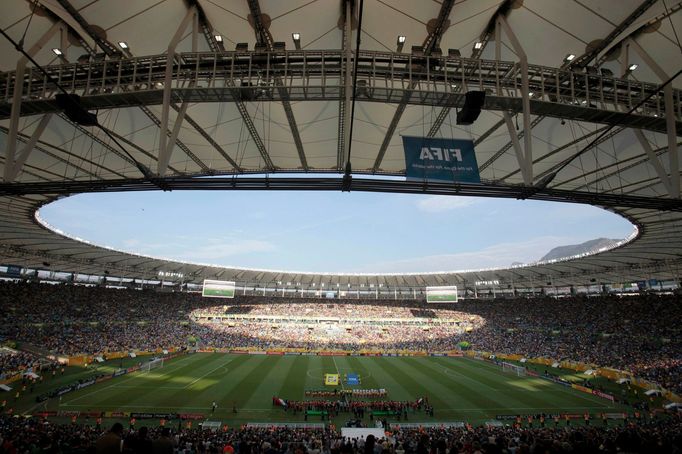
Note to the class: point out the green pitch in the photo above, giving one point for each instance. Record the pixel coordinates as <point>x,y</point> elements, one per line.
<point>460,389</point>
<point>441,298</point>
<point>224,293</point>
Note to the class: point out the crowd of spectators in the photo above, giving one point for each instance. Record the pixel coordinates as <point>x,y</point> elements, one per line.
<point>19,435</point>
<point>638,333</point>
<point>13,362</point>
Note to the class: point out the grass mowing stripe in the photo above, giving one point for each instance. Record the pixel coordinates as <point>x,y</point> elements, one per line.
<point>352,364</point>
<point>293,385</point>
<point>559,392</point>
<point>396,390</point>
<point>422,388</point>
<point>168,381</point>
<point>502,383</point>
<point>443,386</point>
<point>246,387</point>
<point>492,391</point>
<point>270,383</point>
<point>328,367</point>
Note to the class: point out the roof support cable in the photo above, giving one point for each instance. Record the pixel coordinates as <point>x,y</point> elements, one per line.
<point>548,179</point>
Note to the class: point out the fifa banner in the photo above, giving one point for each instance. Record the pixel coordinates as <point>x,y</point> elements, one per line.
<point>218,289</point>
<point>331,379</point>
<point>440,160</point>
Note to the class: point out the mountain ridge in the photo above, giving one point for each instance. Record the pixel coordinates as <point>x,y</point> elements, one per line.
<point>587,247</point>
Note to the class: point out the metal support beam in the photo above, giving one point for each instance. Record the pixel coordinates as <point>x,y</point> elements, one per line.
<point>164,151</point>
<point>527,160</point>
<point>523,164</point>
<point>655,162</point>
<point>12,168</point>
<point>580,62</point>
<point>431,42</point>
<point>18,90</point>
<point>264,36</point>
<point>218,47</point>
<point>345,103</point>
<point>610,39</point>
<point>502,10</point>
<point>673,158</point>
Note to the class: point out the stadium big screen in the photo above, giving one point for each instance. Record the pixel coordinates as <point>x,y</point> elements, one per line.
<point>218,289</point>
<point>446,294</point>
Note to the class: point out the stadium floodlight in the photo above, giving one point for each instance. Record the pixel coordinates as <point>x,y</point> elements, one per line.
<point>632,67</point>
<point>218,38</point>
<point>569,57</point>
<point>400,43</point>
<point>297,40</point>
<point>478,45</point>
<point>58,52</point>
<point>123,45</point>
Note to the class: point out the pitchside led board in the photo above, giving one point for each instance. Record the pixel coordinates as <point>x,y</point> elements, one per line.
<point>440,160</point>
<point>218,289</point>
<point>441,294</point>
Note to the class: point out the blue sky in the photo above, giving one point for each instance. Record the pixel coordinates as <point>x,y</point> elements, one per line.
<point>330,231</point>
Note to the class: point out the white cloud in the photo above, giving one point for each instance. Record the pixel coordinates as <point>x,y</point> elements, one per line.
<point>217,251</point>
<point>494,256</point>
<point>441,203</point>
<point>201,250</point>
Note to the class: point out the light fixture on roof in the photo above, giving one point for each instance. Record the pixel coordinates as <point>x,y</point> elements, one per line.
<point>297,40</point>
<point>58,52</point>
<point>218,38</point>
<point>123,45</point>
<point>401,42</point>
<point>569,57</point>
<point>478,45</point>
<point>632,67</point>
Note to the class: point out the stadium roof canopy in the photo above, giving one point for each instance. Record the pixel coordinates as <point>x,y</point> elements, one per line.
<point>184,89</point>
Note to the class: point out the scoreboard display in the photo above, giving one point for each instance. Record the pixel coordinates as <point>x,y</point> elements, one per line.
<point>447,294</point>
<point>218,289</point>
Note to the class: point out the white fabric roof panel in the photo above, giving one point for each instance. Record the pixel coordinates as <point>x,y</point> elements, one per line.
<point>547,30</point>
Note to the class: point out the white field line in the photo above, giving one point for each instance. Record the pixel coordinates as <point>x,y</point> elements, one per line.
<point>116,384</point>
<point>338,373</point>
<point>574,392</point>
<point>209,372</point>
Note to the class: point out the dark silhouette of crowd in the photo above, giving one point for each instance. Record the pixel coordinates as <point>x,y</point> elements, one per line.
<point>18,435</point>
<point>640,334</point>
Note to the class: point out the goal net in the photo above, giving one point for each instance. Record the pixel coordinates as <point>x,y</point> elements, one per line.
<point>153,364</point>
<point>514,369</point>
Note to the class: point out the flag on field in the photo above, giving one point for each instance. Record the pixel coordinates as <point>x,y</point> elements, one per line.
<point>331,379</point>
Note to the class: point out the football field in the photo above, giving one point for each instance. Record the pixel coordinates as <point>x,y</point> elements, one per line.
<point>460,389</point>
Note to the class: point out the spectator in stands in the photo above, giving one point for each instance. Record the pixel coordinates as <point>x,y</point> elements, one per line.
<point>111,442</point>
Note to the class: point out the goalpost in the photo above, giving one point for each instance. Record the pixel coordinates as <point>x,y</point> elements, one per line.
<point>513,368</point>
<point>153,364</point>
